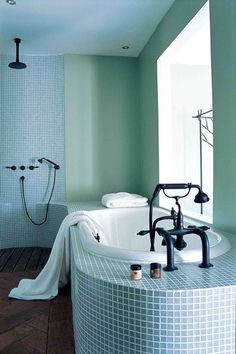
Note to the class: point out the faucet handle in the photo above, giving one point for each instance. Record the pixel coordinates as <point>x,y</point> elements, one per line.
<point>143,232</point>
<point>13,168</point>
<point>173,212</point>
<point>204,227</point>
<point>174,216</point>
<point>191,227</point>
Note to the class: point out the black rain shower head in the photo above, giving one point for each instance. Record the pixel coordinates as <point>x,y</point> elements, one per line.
<point>17,64</point>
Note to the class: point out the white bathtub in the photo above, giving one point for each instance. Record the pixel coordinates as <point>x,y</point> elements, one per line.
<point>121,242</point>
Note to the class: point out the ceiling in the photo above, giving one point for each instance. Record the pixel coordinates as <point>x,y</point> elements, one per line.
<point>98,27</point>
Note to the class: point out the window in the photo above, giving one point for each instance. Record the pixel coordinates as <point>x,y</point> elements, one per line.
<point>185,116</point>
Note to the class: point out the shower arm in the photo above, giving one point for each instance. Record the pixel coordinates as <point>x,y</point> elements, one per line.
<point>17,41</point>
<point>55,165</point>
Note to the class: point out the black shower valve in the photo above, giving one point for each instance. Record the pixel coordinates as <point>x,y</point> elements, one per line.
<point>13,168</point>
<point>31,167</point>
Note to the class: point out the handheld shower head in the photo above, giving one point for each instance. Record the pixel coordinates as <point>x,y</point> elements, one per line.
<point>201,197</point>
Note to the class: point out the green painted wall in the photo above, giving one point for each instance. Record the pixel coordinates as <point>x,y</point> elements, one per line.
<point>223,29</point>
<point>101,126</point>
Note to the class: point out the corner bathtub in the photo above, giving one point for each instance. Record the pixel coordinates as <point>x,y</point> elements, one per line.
<point>188,311</point>
<point>121,242</point>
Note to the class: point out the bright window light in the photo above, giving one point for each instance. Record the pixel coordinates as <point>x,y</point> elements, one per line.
<point>185,116</point>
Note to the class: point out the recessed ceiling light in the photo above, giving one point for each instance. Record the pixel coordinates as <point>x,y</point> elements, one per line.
<point>125,47</point>
<point>11,2</point>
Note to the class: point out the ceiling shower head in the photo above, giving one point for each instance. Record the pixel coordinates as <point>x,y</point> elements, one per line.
<point>17,64</point>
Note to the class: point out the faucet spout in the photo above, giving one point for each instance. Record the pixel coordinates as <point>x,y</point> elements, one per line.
<point>170,264</point>
<point>205,248</point>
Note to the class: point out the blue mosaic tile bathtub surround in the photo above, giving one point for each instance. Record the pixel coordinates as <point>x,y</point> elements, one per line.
<point>189,311</point>
<point>113,319</point>
<point>32,126</point>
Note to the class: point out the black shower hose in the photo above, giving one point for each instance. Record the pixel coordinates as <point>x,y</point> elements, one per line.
<point>22,178</point>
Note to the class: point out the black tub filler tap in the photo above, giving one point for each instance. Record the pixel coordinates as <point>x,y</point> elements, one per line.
<point>174,238</point>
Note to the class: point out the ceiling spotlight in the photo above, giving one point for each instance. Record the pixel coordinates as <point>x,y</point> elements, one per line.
<point>125,47</point>
<point>11,2</point>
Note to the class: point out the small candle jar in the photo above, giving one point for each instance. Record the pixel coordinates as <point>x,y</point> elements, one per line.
<point>135,272</point>
<point>155,270</point>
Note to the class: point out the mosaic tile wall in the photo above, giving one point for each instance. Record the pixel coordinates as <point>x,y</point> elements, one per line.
<point>31,126</point>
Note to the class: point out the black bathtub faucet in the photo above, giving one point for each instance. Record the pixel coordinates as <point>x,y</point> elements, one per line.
<point>178,230</point>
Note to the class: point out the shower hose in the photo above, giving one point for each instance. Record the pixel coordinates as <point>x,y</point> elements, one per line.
<point>22,186</point>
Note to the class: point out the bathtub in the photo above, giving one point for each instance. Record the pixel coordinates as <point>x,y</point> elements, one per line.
<point>121,242</point>
<point>189,311</point>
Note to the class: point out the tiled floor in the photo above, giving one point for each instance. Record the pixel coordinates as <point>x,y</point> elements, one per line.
<point>34,327</point>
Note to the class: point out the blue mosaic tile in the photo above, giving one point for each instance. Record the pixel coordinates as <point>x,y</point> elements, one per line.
<point>32,126</point>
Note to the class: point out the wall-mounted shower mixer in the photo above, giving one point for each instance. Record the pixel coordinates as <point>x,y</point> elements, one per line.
<point>22,186</point>
<point>22,167</point>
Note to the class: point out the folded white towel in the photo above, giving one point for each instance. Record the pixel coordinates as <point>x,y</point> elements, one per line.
<point>56,271</point>
<point>123,200</point>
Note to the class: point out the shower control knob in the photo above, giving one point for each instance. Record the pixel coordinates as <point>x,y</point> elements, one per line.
<point>22,167</point>
<point>13,168</point>
<point>31,167</point>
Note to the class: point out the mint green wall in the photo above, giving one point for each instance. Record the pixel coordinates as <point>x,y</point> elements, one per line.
<point>223,29</point>
<point>109,149</point>
<point>101,126</point>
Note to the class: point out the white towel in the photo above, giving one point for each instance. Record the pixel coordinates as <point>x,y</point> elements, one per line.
<point>123,200</point>
<point>56,271</point>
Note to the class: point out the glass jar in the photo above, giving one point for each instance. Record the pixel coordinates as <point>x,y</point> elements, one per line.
<point>155,270</point>
<point>135,272</point>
